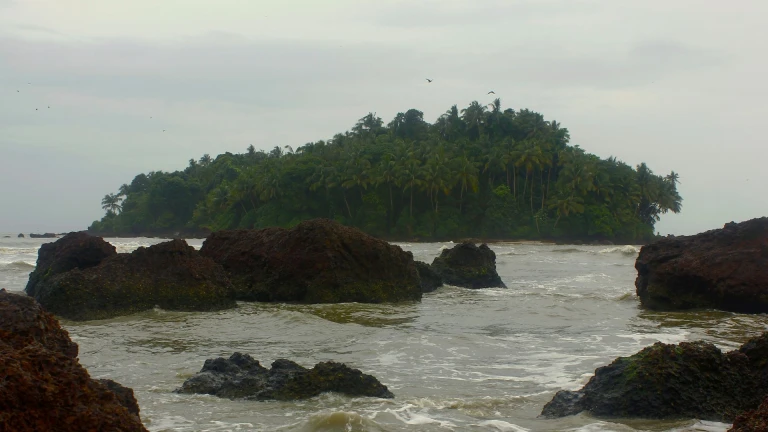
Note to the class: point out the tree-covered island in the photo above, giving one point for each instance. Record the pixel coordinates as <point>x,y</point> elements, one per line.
<point>476,172</point>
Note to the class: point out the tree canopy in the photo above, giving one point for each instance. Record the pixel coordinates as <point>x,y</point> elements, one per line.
<point>476,172</point>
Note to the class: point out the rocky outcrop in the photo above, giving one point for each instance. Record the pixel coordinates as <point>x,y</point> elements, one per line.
<point>171,275</point>
<point>687,380</point>
<point>430,280</point>
<point>724,269</point>
<point>317,261</point>
<point>20,236</point>
<point>46,235</point>
<point>124,395</point>
<point>242,377</point>
<point>469,266</point>
<point>73,251</point>
<point>44,387</point>
<point>753,420</point>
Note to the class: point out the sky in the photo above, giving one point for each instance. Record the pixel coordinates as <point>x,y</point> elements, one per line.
<point>678,84</point>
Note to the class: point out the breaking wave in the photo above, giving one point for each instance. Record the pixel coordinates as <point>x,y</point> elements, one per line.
<point>17,266</point>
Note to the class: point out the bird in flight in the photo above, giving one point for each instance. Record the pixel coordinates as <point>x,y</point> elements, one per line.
<point>491,92</point>
<point>163,130</point>
<point>429,80</point>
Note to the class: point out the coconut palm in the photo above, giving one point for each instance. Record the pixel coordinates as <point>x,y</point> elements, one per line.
<point>111,203</point>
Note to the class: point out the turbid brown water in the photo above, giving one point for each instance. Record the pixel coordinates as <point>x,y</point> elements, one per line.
<point>476,360</point>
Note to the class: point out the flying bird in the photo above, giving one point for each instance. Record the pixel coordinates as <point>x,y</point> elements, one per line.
<point>429,80</point>
<point>163,130</point>
<point>491,92</point>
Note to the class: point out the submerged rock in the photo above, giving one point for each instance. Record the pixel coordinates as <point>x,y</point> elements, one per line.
<point>317,261</point>
<point>171,275</point>
<point>44,387</point>
<point>469,266</point>
<point>242,377</point>
<point>46,235</point>
<point>724,269</point>
<point>687,380</point>
<point>430,280</point>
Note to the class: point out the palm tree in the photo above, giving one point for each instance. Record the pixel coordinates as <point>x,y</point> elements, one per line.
<point>387,174</point>
<point>474,117</point>
<point>466,174</point>
<point>564,207</point>
<point>111,203</point>
<point>409,177</point>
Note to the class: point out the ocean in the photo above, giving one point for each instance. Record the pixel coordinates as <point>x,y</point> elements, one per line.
<point>461,360</point>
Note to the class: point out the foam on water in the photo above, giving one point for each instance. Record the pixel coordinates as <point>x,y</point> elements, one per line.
<point>502,426</point>
<point>485,360</point>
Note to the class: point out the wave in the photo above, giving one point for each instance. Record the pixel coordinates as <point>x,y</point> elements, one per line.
<point>510,253</point>
<point>503,426</point>
<point>628,250</point>
<point>18,251</point>
<point>339,420</point>
<point>17,266</point>
<point>569,250</point>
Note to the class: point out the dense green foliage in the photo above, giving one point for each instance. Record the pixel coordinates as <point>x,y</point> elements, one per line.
<point>478,172</point>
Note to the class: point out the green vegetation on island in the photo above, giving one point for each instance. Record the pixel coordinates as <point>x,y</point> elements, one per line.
<point>476,172</point>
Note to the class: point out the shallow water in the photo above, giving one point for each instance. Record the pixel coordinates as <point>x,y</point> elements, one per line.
<point>477,360</point>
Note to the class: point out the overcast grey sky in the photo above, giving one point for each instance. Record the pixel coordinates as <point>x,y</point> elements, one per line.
<point>679,84</point>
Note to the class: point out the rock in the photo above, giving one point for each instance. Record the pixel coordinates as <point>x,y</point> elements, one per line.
<point>73,251</point>
<point>430,280</point>
<point>753,420</point>
<point>242,377</point>
<point>20,236</point>
<point>317,261</point>
<point>171,275</point>
<point>724,269</point>
<point>688,380</point>
<point>468,266</point>
<point>23,322</point>
<point>44,387</point>
<point>124,395</point>
<point>46,235</point>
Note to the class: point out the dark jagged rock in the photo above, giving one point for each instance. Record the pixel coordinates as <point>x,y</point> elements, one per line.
<point>242,377</point>
<point>20,236</point>
<point>124,395</point>
<point>469,266</point>
<point>73,251</point>
<point>171,275</point>
<point>46,235</point>
<point>688,380</point>
<point>24,322</point>
<point>430,280</point>
<point>44,387</point>
<point>753,420</point>
<point>317,261</point>
<point>724,269</point>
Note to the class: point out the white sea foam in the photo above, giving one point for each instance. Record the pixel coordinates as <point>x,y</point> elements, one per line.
<point>502,426</point>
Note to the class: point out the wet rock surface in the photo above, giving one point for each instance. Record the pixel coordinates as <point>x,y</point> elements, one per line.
<point>317,261</point>
<point>724,269</point>
<point>171,275</point>
<point>469,266</point>
<point>242,377</point>
<point>753,420</point>
<point>430,280</point>
<point>687,380</point>
<point>73,251</point>
<point>44,387</point>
